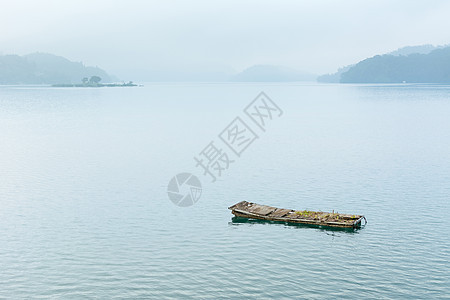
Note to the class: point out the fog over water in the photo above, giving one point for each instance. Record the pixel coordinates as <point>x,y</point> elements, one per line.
<point>90,168</point>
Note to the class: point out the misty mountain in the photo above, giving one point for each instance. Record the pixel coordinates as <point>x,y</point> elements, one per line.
<point>267,73</point>
<point>334,77</point>
<point>421,49</point>
<point>404,51</point>
<point>418,68</point>
<point>43,68</point>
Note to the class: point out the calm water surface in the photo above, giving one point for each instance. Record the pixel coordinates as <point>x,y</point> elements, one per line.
<point>84,211</point>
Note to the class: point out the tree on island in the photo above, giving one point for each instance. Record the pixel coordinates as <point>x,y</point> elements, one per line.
<point>94,80</point>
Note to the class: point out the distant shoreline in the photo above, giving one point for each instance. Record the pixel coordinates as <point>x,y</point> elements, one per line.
<point>94,85</point>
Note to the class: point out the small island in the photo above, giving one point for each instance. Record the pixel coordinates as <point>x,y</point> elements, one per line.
<point>94,81</point>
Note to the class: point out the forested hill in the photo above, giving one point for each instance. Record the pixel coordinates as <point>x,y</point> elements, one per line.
<point>43,68</point>
<point>433,67</point>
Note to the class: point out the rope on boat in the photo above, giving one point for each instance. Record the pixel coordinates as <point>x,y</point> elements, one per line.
<point>365,221</point>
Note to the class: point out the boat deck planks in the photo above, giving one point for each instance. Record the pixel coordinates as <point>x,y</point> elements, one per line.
<point>252,210</point>
<point>280,212</point>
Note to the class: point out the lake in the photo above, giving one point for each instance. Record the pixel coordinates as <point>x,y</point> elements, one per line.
<point>85,213</point>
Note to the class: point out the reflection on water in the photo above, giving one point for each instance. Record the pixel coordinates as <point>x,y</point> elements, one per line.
<point>240,220</point>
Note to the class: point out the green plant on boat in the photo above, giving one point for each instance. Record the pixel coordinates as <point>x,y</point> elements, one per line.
<point>323,216</point>
<point>305,213</point>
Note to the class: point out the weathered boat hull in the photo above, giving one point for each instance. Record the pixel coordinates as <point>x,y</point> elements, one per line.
<point>251,210</point>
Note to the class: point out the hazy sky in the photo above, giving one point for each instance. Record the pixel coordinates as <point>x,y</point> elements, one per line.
<point>138,36</point>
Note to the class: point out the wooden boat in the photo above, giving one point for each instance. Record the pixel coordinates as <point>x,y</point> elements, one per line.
<point>251,210</point>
